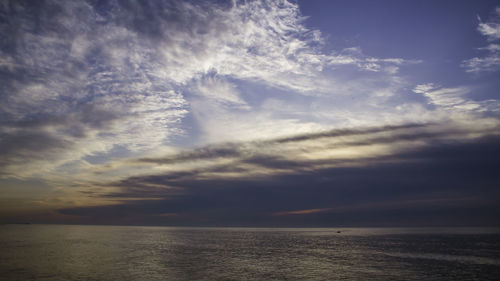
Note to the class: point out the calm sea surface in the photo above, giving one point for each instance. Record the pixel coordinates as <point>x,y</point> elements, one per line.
<point>64,252</point>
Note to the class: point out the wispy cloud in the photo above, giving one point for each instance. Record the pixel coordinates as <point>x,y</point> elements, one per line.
<point>453,99</point>
<point>490,62</point>
<point>491,29</point>
<point>133,64</point>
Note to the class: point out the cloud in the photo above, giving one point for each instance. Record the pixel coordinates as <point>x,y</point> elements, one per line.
<point>301,212</point>
<point>96,80</point>
<point>490,62</point>
<point>491,29</point>
<point>248,161</point>
<point>444,185</point>
<point>451,99</point>
<point>355,56</point>
<point>139,62</point>
<point>215,89</point>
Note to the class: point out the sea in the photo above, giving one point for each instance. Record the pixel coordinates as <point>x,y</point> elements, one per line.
<point>85,252</point>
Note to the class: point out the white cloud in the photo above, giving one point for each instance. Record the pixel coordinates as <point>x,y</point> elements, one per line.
<point>218,90</point>
<point>354,56</point>
<point>490,62</point>
<point>423,88</point>
<point>491,48</point>
<point>264,41</point>
<point>451,99</point>
<point>491,29</point>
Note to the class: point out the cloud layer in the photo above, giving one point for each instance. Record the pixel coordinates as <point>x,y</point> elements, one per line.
<point>418,174</point>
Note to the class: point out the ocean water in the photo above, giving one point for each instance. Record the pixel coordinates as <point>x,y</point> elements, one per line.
<point>69,252</point>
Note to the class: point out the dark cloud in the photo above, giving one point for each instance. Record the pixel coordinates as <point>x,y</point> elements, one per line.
<point>22,147</point>
<point>348,132</point>
<point>208,152</point>
<point>444,183</point>
<point>33,139</point>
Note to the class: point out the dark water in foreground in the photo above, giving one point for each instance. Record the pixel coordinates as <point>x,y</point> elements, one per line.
<point>63,252</point>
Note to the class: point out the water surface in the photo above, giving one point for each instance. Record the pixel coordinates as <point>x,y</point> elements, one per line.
<point>70,252</point>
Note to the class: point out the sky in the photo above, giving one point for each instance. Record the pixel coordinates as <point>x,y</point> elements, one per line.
<point>269,113</point>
